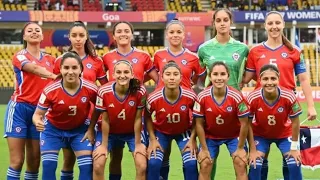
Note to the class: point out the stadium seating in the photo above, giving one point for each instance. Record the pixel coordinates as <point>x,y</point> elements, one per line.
<point>150,5</point>
<point>178,7</point>
<point>12,7</point>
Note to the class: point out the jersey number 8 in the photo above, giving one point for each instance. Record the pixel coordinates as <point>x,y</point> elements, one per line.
<point>272,120</point>
<point>175,118</point>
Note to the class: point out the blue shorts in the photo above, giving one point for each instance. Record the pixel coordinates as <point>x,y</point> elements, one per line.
<point>214,146</point>
<point>53,139</point>
<point>263,144</point>
<point>117,141</point>
<point>165,139</point>
<point>18,121</point>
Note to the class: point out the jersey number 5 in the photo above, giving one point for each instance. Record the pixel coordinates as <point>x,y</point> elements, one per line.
<point>122,114</point>
<point>273,62</point>
<point>174,118</point>
<point>73,110</point>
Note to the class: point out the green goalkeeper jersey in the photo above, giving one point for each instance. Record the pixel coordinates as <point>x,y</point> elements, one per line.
<point>233,53</point>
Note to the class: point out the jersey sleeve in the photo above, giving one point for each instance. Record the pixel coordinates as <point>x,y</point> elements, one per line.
<point>142,98</point>
<point>156,60</point>
<point>101,73</point>
<point>44,101</point>
<point>295,109</point>
<point>199,71</point>
<point>93,96</point>
<point>243,108</point>
<point>148,65</point>
<point>100,102</point>
<point>149,106</point>
<point>19,61</point>
<point>201,56</point>
<point>198,108</point>
<point>299,63</point>
<point>250,64</point>
<point>56,68</point>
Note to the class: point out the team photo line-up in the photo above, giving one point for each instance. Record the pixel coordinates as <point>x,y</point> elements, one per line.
<point>91,107</point>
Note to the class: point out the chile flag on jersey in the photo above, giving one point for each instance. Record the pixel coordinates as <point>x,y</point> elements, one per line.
<point>310,147</point>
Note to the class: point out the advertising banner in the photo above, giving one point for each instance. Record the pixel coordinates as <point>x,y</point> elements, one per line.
<point>54,16</point>
<point>193,19</point>
<point>289,16</point>
<point>194,36</point>
<point>14,16</point>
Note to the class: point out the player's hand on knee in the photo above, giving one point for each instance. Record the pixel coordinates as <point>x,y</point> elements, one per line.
<point>38,122</point>
<point>253,156</point>
<point>296,155</point>
<point>204,154</point>
<point>100,151</point>
<point>140,149</point>
<point>154,145</point>
<point>240,153</point>
<point>89,135</point>
<point>192,147</point>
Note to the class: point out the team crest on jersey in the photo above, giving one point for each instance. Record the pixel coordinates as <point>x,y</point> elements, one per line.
<point>131,103</point>
<point>284,55</point>
<point>84,99</point>
<point>280,109</point>
<point>18,129</point>
<point>114,61</point>
<point>184,62</point>
<point>98,143</point>
<point>183,108</point>
<point>135,60</point>
<point>235,56</point>
<point>48,64</point>
<point>229,108</point>
<point>89,65</point>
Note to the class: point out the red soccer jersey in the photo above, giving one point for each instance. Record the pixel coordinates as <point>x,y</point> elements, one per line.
<point>187,61</point>
<point>272,120</point>
<point>28,86</point>
<point>221,120</point>
<point>140,61</point>
<point>288,62</point>
<point>93,68</point>
<point>121,113</point>
<point>171,118</point>
<point>67,111</point>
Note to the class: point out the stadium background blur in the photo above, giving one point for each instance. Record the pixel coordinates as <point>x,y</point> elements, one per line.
<point>149,18</point>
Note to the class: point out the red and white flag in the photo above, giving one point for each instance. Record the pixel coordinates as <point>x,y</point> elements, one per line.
<point>310,147</point>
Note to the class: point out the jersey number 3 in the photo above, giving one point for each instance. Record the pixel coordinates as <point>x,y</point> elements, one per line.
<point>73,110</point>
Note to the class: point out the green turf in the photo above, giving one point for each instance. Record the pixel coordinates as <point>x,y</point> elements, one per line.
<point>224,170</point>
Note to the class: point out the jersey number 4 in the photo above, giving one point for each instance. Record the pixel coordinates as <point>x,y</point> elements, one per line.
<point>122,114</point>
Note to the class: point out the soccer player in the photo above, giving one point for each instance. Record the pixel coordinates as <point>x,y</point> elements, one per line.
<point>234,52</point>
<point>278,50</point>
<point>141,63</point>
<point>172,105</point>
<point>92,71</point>
<point>33,71</point>
<point>121,102</point>
<point>221,118</point>
<point>275,112</point>
<point>66,123</point>
<point>186,60</point>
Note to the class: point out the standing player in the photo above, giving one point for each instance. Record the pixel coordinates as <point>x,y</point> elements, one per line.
<point>275,112</point>
<point>141,63</point>
<point>65,123</point>
<point>278,50</point>
<point>122,102</point>
<point>185,59</point>
<point>172,105</point>
<point>92,71</point>
<point>234,52</point>
<point>33,71</point>
<point>221,118</point>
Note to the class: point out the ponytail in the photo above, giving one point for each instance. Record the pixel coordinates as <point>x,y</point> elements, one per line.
<point>286,42</point>
<point>134,86</point>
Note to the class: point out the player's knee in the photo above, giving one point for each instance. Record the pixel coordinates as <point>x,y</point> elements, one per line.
<point>239,163</point>
<point>17,162</point>
<point>206,165</point>
<point>98,166</point>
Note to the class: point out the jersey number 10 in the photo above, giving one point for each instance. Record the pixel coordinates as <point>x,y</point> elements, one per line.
<point>174,118</point>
